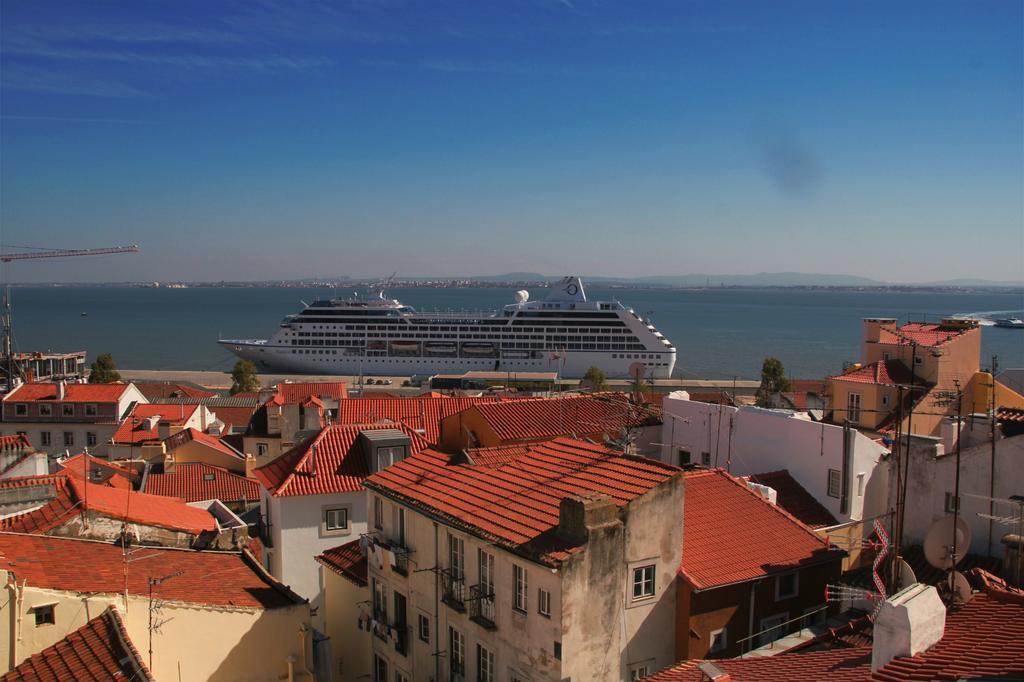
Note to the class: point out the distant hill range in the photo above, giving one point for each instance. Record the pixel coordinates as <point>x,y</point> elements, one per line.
<point>761,279</point>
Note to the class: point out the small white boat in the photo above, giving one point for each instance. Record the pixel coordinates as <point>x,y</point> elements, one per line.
<point>1010,323</point>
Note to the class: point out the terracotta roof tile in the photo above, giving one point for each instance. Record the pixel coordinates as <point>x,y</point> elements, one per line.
<point>579,416</point>
<point>339,465</point>
<point>99,470</point>
<point>90,567</point>
<point>922,333</point>
<point>186,435</point>
<point>195,481</point>
<point>731,534</point>
<point>74,494</point>
<point>795,499</point>
<point>984,638</point>
<point>135,428</point>
<point>99,651</point>
<point>18,441</point>
<point>516,504</point>
<point>421,412</point>
<point>290,394</point>
<point>74,393</point>
<point>347,561</point>
<point>883,372</point>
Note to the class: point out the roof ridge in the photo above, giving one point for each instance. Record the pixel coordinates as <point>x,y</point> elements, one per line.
<point>121,630</point>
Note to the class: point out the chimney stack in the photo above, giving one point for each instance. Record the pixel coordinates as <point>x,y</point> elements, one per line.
<point>873,327</point>
<point>909,622</point>
<point>577,516</point>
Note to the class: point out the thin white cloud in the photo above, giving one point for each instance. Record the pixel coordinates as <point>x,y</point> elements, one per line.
<point>38,79</point>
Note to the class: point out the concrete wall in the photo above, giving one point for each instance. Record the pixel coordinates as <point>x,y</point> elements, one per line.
<point>599,629</point>
<point>193,642</point>
<point>751,440</point>
<point>876,402</point>
<point>298,535</point>
<point>36,464</point>
<point>606,635</point>
<point>932,475</point>
<point>79,431</point>
<point>351,649</point>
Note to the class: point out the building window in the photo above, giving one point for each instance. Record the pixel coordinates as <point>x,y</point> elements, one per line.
<point>485,562</point>
<point>378,513</point>
<point>44,438</point>
<point>21,409</point>
<point>69,439</point>
<point>424,628</point>
<point>772,629</point>
<point>90,438</point>
<point>380,601</point>
<point>336,519</point>
<point>885,401</point>
<point>918,359</point>
<point>705,459</point>
<point>261,449</point>
<point>952,503</point>
<point>91,410</point>
<point>45,410</point>
<point>68,410</point>
<point>786,586</point>
<point>558,651</point>
<point>886,356</point>
<point>388,456</point>
<point>380,669</point>
<point>853,407</point>
<point>44,614</point>
<point>643,582</point>
<point>835,479</point>
<point>456,557</point>
<point>718,640</point>
<point>484,664</point>
<point>519,587</point>
<point>544,602</point>
<point>457,651</point>
<point>684,457</point>
<point>638,671</point>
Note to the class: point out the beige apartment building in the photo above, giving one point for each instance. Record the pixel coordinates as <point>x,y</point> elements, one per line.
<point>555,561</point>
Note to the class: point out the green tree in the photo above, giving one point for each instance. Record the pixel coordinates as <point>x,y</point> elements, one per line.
<point>243,378</point>
<point>103,370</point>
<point>596,379</point>
<point>773,380</point>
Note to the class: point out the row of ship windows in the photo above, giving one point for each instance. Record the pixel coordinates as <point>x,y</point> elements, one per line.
<point>463,330</point>
<point>570,347</point>
<point>486,337</point>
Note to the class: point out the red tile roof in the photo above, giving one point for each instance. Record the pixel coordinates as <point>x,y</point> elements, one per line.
<point>18,441</point>
<point>421,412</point>
<point>134,429</point>
<point>195,481</point>
<point>290,394</point>
<point>731,534</point>
<point>519,420</point>
<point>99,470</point>
<point>339,465</point>
<point>496,456</point>
<point>237,417</point>
<point>984,638</point>
<point>167,389</point>
<point>347,561</point>
<point>515,505</point>
<point>921,333</point>
<point>99,651</point>
<point>74,393</point>
<point>883,372</point>
<point>75,495</point>
<point>187,435</point>
<point>795,499</point>
<point>91,567</point>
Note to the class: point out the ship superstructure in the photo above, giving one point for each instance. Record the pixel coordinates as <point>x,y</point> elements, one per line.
<point>563,332</point>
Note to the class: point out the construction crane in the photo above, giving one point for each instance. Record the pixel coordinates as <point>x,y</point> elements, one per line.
<point>38,254</point>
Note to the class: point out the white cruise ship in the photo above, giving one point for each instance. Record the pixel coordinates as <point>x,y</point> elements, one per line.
<point>563,333</point>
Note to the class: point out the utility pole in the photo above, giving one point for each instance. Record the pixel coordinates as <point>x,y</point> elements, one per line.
<point>992,462</point>
<point>944,398</point>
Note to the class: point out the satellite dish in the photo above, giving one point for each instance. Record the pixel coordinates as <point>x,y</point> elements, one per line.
<point>907,577</point>
<point>961,588</point>
<point>637,370</point>
<point>522,296</point>
<point>938,543</point>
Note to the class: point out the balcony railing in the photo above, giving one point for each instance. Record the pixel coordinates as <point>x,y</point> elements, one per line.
<point>401,565</point>
<point>453,589</point>
<point>481,606</point>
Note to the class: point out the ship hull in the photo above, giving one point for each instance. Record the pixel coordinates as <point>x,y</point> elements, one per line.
<point>270,358</point>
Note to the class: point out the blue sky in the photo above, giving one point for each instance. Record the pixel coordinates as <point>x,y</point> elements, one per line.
<point>278,139</point>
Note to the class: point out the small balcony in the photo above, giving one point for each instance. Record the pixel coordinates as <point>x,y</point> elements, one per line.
<point>453,590</point>
<point>481,606</point>
<point>401,565</point>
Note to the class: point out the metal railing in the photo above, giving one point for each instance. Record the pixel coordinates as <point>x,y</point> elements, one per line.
<point>453,589</point>
<point>481,606</point>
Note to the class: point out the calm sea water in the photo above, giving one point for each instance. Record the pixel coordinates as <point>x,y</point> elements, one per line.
<point>719,333</point>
